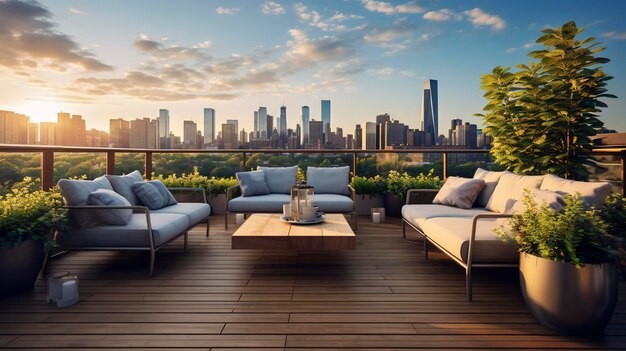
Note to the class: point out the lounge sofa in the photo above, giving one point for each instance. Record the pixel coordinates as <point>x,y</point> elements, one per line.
<point>115,212</point>
<point>467,235</point>
<point>269,188</point>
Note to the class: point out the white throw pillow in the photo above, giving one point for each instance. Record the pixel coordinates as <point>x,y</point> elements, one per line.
<point>591,193</point>
<point>459,192</point>
<point>510,188</point>
<point>491,181</point>
<point>556,201</point>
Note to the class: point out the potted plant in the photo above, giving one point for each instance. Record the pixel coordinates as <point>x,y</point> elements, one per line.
<point>567,265</point>
<point>370,191</point>
<point>28,220</point>
<point>215,187</point>
<point>399,183</point>
<point>614,214</point>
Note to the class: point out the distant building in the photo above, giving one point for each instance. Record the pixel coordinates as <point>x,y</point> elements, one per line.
<point>393,134</point>
<point>430,111</point>
<point>236,124</point>
<point>70,131</point>
<point>47,133</point>
<point>209,126</point>
<point>381,120</point>
<point>305,125</point>
<point>97,138</point>
<point>144,133</point>
<point>33,133</point>
<point>326,119</point>
<point>316,134</point>
<point>263,130</point>
<point>282,126</point>
<point>358,137</point>
<point>13,128</point>
<point>270,126</point>
<point>370,136</point>
<point>255,131</point>
<point>119,130</point>
<point>229,136</point>
<point>243,136</point>
<point>164,129</point>
<point>190,128</point>
<point>349,141</point>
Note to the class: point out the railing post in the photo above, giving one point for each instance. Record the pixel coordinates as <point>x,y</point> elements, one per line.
<point>110,162</point>
<point>148,165</point>
<point>244,160</point>
<point>47,170</point>
<point>445,165</point>
<point>623,163</point>
<point>354,156</point>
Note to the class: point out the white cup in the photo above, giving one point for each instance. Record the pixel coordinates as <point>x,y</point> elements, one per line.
<point>376,217</point>
<point>309,213</point>
<point>287,210</point>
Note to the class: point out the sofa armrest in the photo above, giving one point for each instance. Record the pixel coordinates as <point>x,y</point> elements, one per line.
<point>230,192</point>
<point>421,193</point>
<point>186,193</point>
<point>475,220</point>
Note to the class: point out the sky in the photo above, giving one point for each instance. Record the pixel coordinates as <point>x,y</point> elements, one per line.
<point>114,58</point>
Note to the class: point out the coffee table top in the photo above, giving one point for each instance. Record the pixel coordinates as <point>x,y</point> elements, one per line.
<point>266,231</point>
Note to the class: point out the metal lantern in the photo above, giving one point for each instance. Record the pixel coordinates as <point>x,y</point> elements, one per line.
<point>301,197</point>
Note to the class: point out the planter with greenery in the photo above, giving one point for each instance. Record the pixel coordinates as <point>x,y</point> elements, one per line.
<point>399,183</point>
<point>567,265</point>
<point>370,192</point>
<point>215,187</point>
<point>28,220</point>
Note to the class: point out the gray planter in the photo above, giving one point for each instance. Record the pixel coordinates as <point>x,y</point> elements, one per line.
<point>567,299</point>
<point>393,205</point>
<point>365,202</point>
<point>218,203</point>
<point>20,266</point>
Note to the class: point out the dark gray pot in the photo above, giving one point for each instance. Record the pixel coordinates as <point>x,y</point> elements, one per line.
<point>567,299</point>
<point>393,205</point>
<point>19,267</point>
<point>218,203</point>
<point>364,203</point>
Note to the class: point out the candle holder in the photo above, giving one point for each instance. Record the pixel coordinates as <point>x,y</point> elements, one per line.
<point>62,289</point>
<point>302,196</point>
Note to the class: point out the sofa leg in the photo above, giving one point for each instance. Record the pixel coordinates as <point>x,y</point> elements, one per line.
<point>468,282</point>
<point>356,221</point>
<point>425,247</point>
<point>186,239</point>
<point>403,229</point>
<point>152,257</point>
<point>208,225</point>
<point>226,220</point>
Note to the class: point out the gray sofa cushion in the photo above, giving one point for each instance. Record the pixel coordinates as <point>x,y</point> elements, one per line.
<point>108,197</point>
<point>165,226</point>
<point>76,192</point>
<point>123,185</point>
<point>195,211</point>
<point>491,180</point>
<point>333,203</point>
<point>417,214</point>
<point>149,195</point>
<point>165,193</point>
<point>591,193</point>
<point>271,203</point>
<point>279,179</point>
<point>252,183</point>
<point>329,180</point>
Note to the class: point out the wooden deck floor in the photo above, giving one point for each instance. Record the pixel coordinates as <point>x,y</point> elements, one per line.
<point>383,295</point>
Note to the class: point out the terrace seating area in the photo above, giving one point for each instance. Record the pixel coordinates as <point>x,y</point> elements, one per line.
<point>382,295</point>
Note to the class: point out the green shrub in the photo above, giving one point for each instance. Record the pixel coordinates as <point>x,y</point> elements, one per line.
<point>212,185</point>
<point>372,186</point>
<point>398,183</point>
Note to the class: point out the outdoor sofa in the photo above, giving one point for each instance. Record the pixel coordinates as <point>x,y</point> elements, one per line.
<point>121,212</point>
<point>461,224</point>
<point>268,188</point>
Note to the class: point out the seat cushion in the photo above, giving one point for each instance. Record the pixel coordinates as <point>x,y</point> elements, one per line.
<point>279,179</point>
<point>510,189</point>
<point>106,197</point>
<point>122,184</point>
<point>329,180</point>
<point>333,203</point>
<point>453,234</point>
<point>76,192</point>
<point>272,203</point>
<point>491,181</point>
<point>591,193</point>
<point>165,226</point>
<point>252,183</point>
<point>459,192</point>
<point>195,211</point>
<point>417,214</point>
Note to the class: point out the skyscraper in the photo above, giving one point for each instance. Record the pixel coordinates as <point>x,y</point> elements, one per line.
<point>236,124</point>
<point>119,131</point>
<point>263,132</point>
<point>209,126</point>
<point>270,125</point>
<point>370,136</point>
<point>316,136</point>
<point>143,133</point>
<point>283,122</point>
<point>70,130</point>
<point>164,129</point>
<point>305,125</point>
<point>430,111</point>
<point>255,130</point>
<point>229,136</point>
<point>190,129</point>
<point>47,133</point>
<point>326,119</point>
<point>358,137</point>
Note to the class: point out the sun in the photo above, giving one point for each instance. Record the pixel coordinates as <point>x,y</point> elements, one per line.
<point>40,110</point>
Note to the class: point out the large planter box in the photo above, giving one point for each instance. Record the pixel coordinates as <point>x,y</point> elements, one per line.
<point>365,202</point>
<point>19,267</point>
<point>218,203</point>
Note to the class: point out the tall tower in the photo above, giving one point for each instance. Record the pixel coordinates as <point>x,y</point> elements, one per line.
<point>209,126</point>
<point>305,125</point>
<point>164,129</point>
<point>263,132</point>
<point>326,119</point>
<point>283,121</point>
<point>430,112</point>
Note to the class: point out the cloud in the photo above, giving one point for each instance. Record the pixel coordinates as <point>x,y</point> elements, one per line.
<point>407,73</point>
<point>387,34</point>
<point>205,44</point>
<point>614,35</point>
<point>272,8</point>
<point>442,15</point>
<point>230,65</point>
<point>314,19</point>
<point>303,50</point>
<point>76,11</point>
<point>388,8</point>
<point>480,18</point>
<point>226,11</point>
<point>382,72</point>
<point>158,51</point>
<point>30,40</point>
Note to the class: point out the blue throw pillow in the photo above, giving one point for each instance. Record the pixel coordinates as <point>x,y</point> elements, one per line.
<point>105,197</point>
<point>75,193</point>
<point>252,183</point>
<point>329,180</point>
<point>279,179</point>
<point>167,195</point>
<point>123,185</point>
<point>149,195</point>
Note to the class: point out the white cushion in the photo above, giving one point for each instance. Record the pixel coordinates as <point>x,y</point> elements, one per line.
<point>591,193</point>
<point>556,201</point>
<point>510,188</point>
<point>417,214</point>
<point>459,192</point>
<point>491,181</point>
<point>453,234</point>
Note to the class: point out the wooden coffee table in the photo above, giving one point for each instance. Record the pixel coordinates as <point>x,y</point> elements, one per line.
<point>267,231</point>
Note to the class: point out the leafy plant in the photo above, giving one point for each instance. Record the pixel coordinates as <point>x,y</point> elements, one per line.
<point>372,186</point>
<point>398,183</point>
<point>574,235</point>
<point>541,118</point>
<point>212,185</point>
<point>26,214</point>
<point>614,214</point>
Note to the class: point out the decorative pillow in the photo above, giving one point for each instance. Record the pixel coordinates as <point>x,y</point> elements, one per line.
<point>591,193</point>
<point>149,195</point>
<point>491,180</point>
<point>555,200</point>
<point>459,192</point>
<point>165,193</point>
<point>329,180</point>
<point>252,183</point>
<point>510,188</point>
<point>122,184</point>
<point>279,179</point>
<point>76,192</point>
<point>110,198</point>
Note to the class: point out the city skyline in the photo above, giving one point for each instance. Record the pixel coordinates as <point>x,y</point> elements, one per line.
<point>368,57</point>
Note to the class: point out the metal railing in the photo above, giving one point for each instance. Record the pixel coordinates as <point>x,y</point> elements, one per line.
<point>47,156</point>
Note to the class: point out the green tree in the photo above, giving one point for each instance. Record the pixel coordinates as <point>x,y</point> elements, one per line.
<point>541,118</point>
